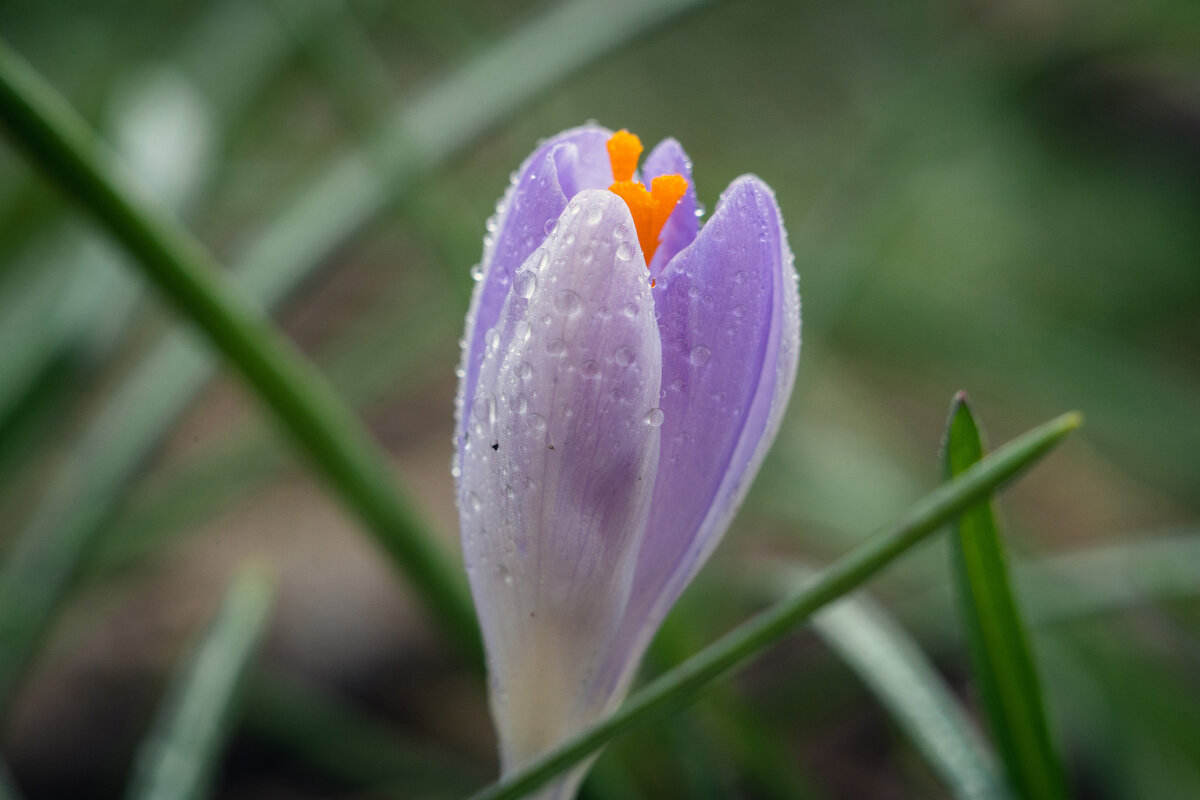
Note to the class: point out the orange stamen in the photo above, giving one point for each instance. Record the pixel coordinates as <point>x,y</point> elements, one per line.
<point>624,150</point>
<point>651,208</point>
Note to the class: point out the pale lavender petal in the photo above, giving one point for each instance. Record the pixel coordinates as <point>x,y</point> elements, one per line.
<point>560,168</point>
<point>729,318</point>
<point>668,158</point>
<point>558,470</point>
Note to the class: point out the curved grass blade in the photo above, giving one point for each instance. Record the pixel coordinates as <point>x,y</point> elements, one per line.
<point>892,665</point>
<point>177,760</point>
<point>351,190</point>
<point>1000,653</point>
<point>683,684</point>
<point>290,387</point>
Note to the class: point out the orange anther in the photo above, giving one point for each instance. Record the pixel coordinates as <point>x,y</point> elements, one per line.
<point>651,208</point>
<point>624,150</point>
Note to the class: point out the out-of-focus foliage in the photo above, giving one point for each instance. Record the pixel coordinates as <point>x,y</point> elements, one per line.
<point>997,196</point>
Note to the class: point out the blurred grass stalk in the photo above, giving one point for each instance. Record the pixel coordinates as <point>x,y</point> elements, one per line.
<point>351,191</point>
<point>682,685</point>
<point>178,758</point>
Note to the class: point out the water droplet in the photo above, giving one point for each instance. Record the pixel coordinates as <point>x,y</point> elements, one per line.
<point>700,355</point>
<point>556,347</point>
<point>630,310</point>
<point>677,385</point>
<point>739,277</point>
<point>524,283</point>
<point>485,409</point>
<point>509,492</point>
<point>520,405</point>
<point>491,338</point>
<point>521,331</point>
<point>739,311</point>
<point>594,215</point>
<point>625,251</point>
<point>655,417</point>
<point>537,422</point>
<point>474,501</point>
<point>590,369</point>
<point>624,356</point>
<point>551,224</point>
<point>567,302</point>
<point>693,292</point>
<point>459,372</point>
<point>477,272</point>
<point>524,370</point>
<point>543,259</point>
<point>620,233</point>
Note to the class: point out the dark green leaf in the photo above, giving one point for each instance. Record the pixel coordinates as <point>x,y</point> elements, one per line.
<point>1004,668</point>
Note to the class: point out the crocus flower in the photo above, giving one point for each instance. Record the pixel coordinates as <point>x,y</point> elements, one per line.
<point>624,372</point>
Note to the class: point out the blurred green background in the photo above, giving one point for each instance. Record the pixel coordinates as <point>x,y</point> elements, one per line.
<point>1001,196</point>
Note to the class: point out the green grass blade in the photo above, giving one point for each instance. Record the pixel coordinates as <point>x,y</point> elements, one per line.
<point>1000,653</point>
<point>294,392</point>
<point>344,195</point>
<point>895,669</point>
<point>177,760</point>
<point>681,685</point>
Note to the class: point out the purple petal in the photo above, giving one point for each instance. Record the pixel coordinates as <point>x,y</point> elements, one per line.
<point>668,158</point>
<point>558,470</point>
<point>729,317</point>
<point>560,168</point>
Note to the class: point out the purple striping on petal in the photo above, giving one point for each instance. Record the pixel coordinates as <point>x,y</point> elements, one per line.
<point>560,168</point>
<point>727,308</point>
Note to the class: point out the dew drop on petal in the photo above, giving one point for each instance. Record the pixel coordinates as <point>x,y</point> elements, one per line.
<point>551,224</point>
<point>700,355</point>
<point>624,356</point>
<point>739,311</point>
<point>525,283</point>
<point>521,331</point>
<point>654,417</point>
<point>524,370</point>
<point>474,501</point>
<point>567,302</point>
<point>537,422</point>
<point>630,310</point>
<point>491,338</point>
<point>590,369</point>
<point>625,251</point>
<point>556,347</point>
<point>477,272</point>
<point>594,215</point>
<point>485,408</point>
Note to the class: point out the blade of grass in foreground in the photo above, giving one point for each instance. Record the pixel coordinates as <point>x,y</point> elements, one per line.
<point>1003,664</point>
<point>681,685</point>
<point>349,191</point>
<point>290,387</point>
<point>177,759</point>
